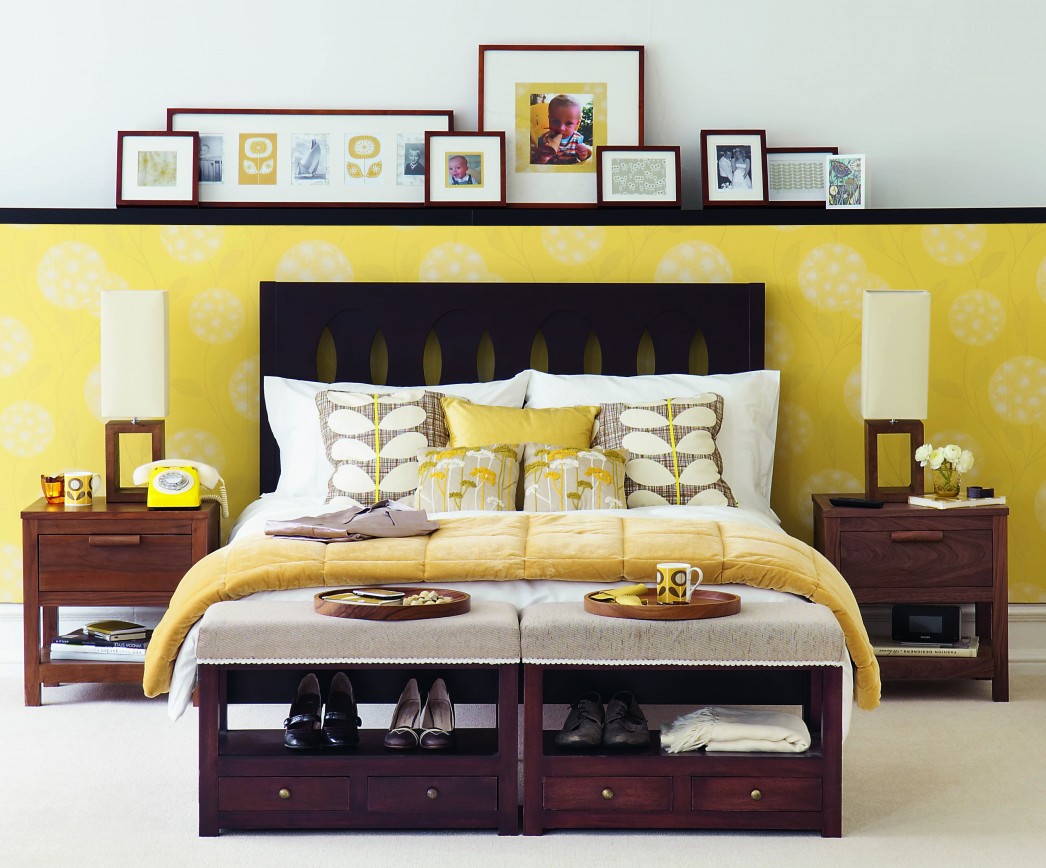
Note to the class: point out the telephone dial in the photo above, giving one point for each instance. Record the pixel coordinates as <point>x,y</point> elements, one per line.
<point>174,483</point>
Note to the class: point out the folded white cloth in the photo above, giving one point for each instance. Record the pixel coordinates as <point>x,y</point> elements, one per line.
<point>736,729</point>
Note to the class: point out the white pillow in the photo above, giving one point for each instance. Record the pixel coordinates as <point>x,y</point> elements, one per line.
<point>746,441</point>
<point>291,409</point>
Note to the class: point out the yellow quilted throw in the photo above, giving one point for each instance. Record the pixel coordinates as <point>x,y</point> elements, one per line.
<point>518,546</point>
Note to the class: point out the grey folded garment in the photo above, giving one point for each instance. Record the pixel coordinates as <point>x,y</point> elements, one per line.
<point>356,523</point>
<point>741,729</point>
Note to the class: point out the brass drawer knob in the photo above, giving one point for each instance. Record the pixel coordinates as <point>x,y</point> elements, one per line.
<point>608,793</point>
<point>432,793</point>
<point>757,795</point>
<point>284,793</point>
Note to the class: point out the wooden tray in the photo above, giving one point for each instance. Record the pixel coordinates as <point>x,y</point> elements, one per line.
<point>460,602</point>
<point>703,604</point>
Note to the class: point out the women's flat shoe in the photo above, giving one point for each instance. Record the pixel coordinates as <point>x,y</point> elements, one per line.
<point>301,729</point>
<point>437,718</point>
<point>583,727</point>
<point>341,721</point>
<point>406,716</point>
<point>625,724</point>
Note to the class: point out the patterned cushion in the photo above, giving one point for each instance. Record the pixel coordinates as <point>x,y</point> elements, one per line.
<point>561,478</point>
<point>476,477</point>
<point>674,457</point>
<point>373,441</point>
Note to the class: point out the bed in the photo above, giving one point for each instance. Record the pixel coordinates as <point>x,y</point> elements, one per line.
<point>642,339</point>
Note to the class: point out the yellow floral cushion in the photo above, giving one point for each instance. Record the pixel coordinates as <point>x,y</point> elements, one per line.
<point>462,478</point>
<point>475,424</point>
<point>562,478</point>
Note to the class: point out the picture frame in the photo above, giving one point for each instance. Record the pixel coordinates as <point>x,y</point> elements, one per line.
<point>156,168</point>
<point>796,176</point>
<point>519,85</point>
<point>846,181</point>
<point>310,157</point>
<point>720,152</point>
<point>638,175</point>
<point>465,168</point>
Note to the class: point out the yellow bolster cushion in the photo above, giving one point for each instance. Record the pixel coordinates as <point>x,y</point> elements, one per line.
<point>478,424</point>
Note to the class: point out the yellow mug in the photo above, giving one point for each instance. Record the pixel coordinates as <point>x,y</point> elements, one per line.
<point>80,486</point>
<point>674,583</point>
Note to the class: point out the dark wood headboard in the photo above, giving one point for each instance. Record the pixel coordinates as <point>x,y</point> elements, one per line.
<point>507,319</point>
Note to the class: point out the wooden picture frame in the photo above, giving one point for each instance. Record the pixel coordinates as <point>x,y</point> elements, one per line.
<point>156,168</point>
<point>796,176</point>
<point>721,151</point>
<point>309,157</point>
<point>520,84</point>
<point>846,181</point>
<point>638,175</point>
<point>465,168</point>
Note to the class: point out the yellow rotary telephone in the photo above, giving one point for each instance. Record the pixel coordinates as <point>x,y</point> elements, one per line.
<point>174,483</point>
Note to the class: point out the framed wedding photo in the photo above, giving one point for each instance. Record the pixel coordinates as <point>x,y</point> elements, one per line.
<point>796,176</point>
<point>156,168</point>
<point>558,105</point>
<point>846,182</point>
<point>638,175</point>
<point>733,167</point>
<point>465,168</point>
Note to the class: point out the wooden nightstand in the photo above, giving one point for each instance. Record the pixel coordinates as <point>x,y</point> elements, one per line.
<point>120,554</point>
<point>910,554</point>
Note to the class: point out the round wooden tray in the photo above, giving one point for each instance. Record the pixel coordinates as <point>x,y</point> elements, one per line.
<point>703,604</point>
<point>460,602</point>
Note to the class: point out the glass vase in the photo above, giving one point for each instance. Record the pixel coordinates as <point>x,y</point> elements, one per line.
<point>946,480</point>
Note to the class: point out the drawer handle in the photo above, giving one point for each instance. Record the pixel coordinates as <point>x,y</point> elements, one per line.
<point>905,536</point>
<point>123,539</point>
<point>757,795</point>
<point>284,793</point>
<point>432,793</point>
<point>608,793</point>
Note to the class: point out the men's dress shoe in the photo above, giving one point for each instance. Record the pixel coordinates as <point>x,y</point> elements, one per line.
<point>584,724</point>
<point>437,718</point>
<point>625,724</point>
<point>402,734</point>
<point>340,721</point>
<point>301,729</point>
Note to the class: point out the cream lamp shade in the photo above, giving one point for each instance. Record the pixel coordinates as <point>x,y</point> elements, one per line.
<point>134,377</point>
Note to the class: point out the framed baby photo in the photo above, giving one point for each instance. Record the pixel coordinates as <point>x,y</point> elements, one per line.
<point>558,105</point>
<point>465,169</point>
<point>733,167</point>
<point>157,168</point>
<point>846,181</point>
<point>796,176</point>
<point>638,175</point>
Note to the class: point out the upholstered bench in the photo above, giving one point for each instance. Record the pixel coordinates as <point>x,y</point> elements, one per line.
<point>257,653</point>
<point>795,649</point>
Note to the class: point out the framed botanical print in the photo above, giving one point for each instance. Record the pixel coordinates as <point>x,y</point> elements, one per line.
<point>638,175</point>
<point>733,167</point>
<point>796,176</point>
<point>156,168</point>
<point>846,180</point>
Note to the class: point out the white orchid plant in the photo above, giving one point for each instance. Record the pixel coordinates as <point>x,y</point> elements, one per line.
<point>936,458</point>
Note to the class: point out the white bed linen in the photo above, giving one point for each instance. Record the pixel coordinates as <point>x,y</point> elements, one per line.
<point>520,593</point>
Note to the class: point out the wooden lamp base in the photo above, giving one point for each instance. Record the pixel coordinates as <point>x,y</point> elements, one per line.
<point>114,493</point>
<point>873,429</point>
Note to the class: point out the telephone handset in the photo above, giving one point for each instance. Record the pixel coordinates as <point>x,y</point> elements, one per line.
<point>175,483</point>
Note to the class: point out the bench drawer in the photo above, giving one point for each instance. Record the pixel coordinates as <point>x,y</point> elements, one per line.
<point>755,794</point>
<point>287,793</point>
<point>439,793</point>
<point>606,793</point>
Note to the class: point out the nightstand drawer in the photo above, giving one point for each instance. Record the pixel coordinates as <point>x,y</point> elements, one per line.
<point>920,558</point>
<point>113,561</point>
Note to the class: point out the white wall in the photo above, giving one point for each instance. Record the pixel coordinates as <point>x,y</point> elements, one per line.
<point>944,96</point>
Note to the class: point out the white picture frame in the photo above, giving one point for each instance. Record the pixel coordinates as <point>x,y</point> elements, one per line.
<point>846,181</point>
<point>796,176</point>
<point>638,175</point>
<point>156,168</point>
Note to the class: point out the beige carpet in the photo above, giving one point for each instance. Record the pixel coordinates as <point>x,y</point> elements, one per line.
<point>938,775</point>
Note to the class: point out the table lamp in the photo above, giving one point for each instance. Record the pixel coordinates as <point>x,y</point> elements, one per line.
<point>895,371</point>
<point>134,378</point>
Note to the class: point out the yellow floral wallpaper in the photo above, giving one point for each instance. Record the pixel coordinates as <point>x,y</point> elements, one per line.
<point>987,378</point>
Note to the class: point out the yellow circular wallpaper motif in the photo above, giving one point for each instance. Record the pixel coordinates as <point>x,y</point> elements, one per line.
<point>832,278</point>
<point>26,428</point>
<point>977,318</point>
<point>694,262</point>
<point>573,245</point>
<point>71,274</point>
<point>16,346</point>
<point>314,260</point>
<point>198,444</point>
<point>216,316</point>
<point>1017,389</point>
<point>954,243</point>
<point>243,389</point>
<point>453,261</point>
<point>192,244</point>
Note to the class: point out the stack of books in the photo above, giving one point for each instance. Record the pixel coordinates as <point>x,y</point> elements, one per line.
<point>111,641</point>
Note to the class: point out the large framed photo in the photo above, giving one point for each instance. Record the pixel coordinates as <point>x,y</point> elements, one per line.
<point>558,105</point>
<point>465,169</point>
<point>847,181</point>
<point>311,156</point>
<point>796,176</point>
<point>638,175</point>
<point>733,167</point>
<point>156,168</point>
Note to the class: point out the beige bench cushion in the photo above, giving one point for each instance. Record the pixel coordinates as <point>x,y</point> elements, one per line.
<point>760,634</point>
<point>293,632</point>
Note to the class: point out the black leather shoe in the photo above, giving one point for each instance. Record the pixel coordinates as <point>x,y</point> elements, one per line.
<point>584,724</point>
<point>301,729</point>
<point>625,723</point>
<point>340,721</point>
